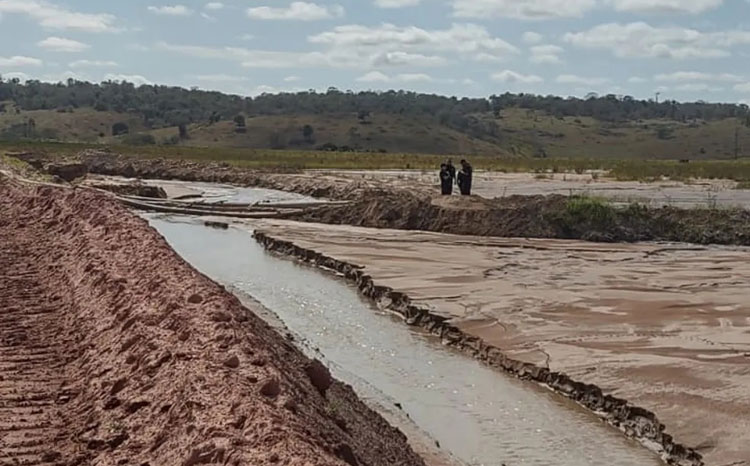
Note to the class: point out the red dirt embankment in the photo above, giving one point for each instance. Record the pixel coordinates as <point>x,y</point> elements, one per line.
<point>114,351</point>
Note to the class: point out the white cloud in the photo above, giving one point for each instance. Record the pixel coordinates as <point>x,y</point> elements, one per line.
<point>374,77</point>
<point>19,62</point>
<point>366,48</point>
<point>521,9</point>
<point>463,39</point>
<point>291,79</point>
<point>249,58</point>
<point>546,54</point>
<point>508,76</point>
<point>377,76</point>
<point>299,11</point>
<point>136,79</point>
<point>171,10</point>
<point>640,40</point>
<point>697,76</point>
<point>93,64</point>
<point>23,77</point>
<point>60,44</point>
<point>214,6</point>
<point>744,87</point>
<point>208,17</point>
<point>697,87</point>
<point>637,80</point>
<point>219,78</point>
<point>246,37</point>
<point>580,80</point>
<point>51,16</point>
<point>531,37</point>
<point>405,59</point>
<point>396,3</point>
<point>413,77</point>
<point>666,6</point>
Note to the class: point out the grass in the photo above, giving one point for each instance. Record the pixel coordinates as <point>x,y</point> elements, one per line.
<point>590,210</point>
<point>624,170</point>
<point>743,185</point>
<point>22,168</point>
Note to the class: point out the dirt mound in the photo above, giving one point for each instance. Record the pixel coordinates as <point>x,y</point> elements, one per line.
<point>115,351</point>
<point>105,163</point>
<point>537,217</point>
<point>132,189</point>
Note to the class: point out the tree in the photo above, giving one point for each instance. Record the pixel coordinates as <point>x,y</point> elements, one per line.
<point>183,131</point>
<point>307,133</point>
<point>119,129</point>
<point>363,116</point>
<point>240,125</point>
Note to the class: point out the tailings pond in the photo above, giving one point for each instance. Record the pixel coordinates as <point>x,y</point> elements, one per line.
<point>479,415</point>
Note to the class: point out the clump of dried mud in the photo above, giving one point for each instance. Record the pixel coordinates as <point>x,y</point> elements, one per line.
<point>117,352</point>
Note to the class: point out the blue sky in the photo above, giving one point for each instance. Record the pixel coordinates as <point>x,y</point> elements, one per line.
<point>684,49</point>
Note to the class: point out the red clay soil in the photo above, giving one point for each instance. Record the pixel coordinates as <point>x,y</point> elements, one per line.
<point>114,351</point>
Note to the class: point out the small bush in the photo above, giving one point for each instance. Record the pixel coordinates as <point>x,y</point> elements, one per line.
<point>590,210</point>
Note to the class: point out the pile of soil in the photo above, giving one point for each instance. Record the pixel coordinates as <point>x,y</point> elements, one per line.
<point>117,352</point>
<point>132,189</point>
<point>536,217</point>
<point>106,163</point>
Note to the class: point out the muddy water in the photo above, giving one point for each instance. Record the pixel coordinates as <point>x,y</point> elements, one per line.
<point>481,416</point>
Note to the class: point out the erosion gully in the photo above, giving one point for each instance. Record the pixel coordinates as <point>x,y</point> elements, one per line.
<point>477,415</point>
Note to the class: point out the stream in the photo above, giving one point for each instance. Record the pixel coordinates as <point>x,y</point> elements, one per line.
<point>477,414</point>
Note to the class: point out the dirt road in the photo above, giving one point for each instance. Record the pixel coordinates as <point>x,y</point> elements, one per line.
<point>113,351</point>
<point>662,326</point>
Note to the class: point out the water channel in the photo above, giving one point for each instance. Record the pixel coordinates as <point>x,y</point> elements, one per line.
<point>482,417</point>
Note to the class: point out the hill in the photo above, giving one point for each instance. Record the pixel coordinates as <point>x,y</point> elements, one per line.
<point>506,125</point>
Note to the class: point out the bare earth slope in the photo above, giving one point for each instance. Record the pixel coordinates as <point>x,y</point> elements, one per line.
<point>115,351</point>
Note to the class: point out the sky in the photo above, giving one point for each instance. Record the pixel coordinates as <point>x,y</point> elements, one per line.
<point>685,50</point>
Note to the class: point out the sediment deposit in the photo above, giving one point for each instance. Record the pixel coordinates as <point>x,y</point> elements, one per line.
<point>662,326</point>
<point>115,352</point>
<point>415,205</point>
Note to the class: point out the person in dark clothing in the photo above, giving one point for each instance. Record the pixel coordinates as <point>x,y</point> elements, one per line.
<point>465,177</point>
<point>446,181</point>
<point>451,170</point>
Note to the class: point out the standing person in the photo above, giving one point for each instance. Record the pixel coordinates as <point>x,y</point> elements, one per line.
<point>446,180</point>
<point>451,170</point>
<point>465,177</point>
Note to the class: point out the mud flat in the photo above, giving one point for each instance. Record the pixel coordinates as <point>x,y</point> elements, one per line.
<point>665,327</point>
<point>115,351</point>
<point>490,185</point>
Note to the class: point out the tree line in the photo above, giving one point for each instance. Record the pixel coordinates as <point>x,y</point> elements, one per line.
<point>162,106</point>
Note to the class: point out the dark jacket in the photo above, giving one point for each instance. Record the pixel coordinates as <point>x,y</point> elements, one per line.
<point>465,178</point>
<point>452,171</point>
<point>446,181</point>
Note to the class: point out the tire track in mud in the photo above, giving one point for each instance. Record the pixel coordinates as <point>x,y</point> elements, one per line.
<point>32,383</point>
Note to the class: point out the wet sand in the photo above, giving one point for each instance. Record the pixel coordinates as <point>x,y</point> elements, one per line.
<point>666,327</point>
<point>490,185</point>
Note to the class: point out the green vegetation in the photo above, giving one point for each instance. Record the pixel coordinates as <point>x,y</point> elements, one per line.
<point>624,170</point>
<point>508,125</point>
<point>20,167</point>
<point>590,210</point>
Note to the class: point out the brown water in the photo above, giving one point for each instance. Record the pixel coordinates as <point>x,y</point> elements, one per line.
<point>479,415</point>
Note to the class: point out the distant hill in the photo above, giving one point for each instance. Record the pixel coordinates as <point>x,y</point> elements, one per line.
<point>507,125</point>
